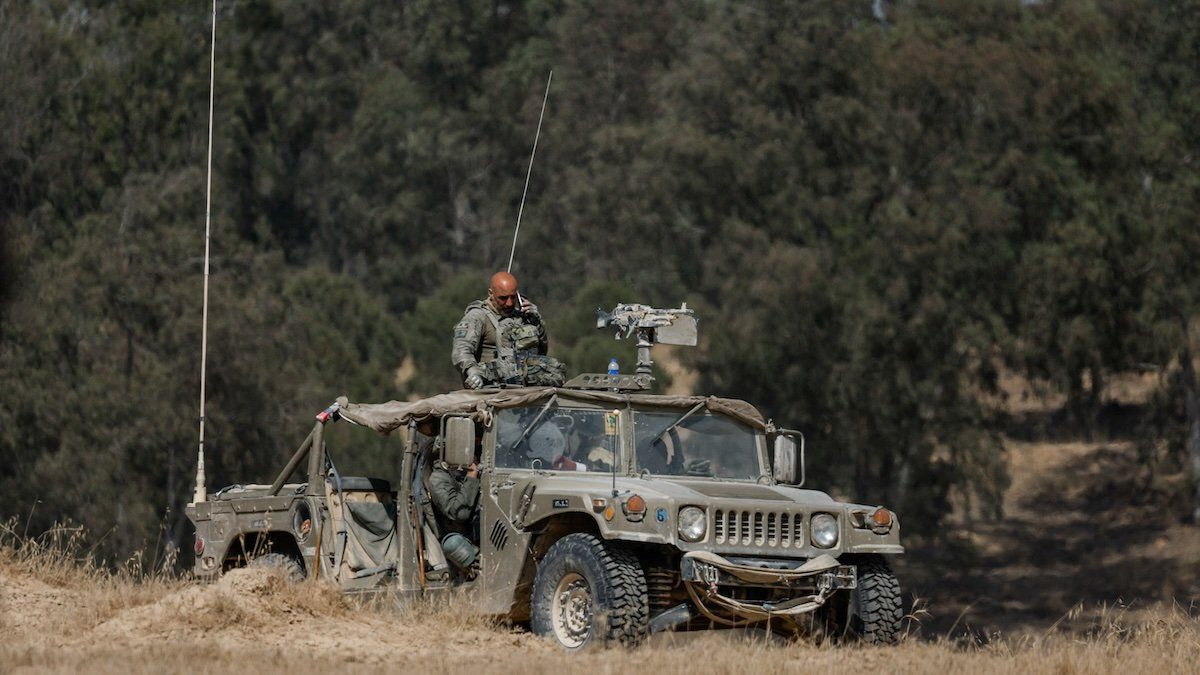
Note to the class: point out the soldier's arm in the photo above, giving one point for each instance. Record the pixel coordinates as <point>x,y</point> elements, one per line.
<point>543,339</point>
<point>456,501</point>
<point>467,335</point>
<point>543,334</point>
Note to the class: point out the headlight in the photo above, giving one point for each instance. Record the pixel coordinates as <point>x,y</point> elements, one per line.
<point>824,530</point>
<point>693,524</point>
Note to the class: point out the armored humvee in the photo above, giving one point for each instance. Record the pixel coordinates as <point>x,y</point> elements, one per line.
<point>605,514</point>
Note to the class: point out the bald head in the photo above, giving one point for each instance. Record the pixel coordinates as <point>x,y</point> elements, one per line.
<point>503,292</point>
<point>503,283</point>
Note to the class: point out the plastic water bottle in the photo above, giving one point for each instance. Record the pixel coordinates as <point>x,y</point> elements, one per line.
<point>613,367</point>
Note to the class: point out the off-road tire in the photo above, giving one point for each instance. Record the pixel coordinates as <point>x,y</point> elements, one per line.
<point>288,566</point>
<point>617,585</point>
<point>875,607</point>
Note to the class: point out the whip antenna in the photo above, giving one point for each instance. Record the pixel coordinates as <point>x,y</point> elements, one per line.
<point>530,171</point>
<point>201,493</point>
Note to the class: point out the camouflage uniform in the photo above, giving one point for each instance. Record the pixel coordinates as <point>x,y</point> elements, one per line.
<point>484,335</point>
<point>455,496</point>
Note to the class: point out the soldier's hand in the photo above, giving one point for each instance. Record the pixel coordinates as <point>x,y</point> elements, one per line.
<point>530,311</point>
<point>698,467</point>
<point>474,377</point>
<point>473,470</point>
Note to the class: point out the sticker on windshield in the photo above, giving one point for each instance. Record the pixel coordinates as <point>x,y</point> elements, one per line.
<point>610,423</point>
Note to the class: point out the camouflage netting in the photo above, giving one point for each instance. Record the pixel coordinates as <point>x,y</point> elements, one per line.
<point>387,417</point>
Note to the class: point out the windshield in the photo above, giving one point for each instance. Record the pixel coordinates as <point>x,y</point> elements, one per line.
<point>700,444</point>
<point>563,439</point>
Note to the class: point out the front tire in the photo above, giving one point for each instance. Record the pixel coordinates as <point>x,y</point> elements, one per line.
<point>587,592</point>
<point>875,608</point>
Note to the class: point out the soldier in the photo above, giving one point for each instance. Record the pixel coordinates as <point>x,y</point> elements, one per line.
<point>496,330</point>
<point>455,495</point>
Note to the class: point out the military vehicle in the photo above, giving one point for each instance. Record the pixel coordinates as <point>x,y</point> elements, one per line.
<point>605,513</point>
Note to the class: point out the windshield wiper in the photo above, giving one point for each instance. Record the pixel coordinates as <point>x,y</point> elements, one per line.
<point>677,422</point>
<point>532,425</point>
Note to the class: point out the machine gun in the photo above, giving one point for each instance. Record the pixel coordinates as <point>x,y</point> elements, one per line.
<point>650,326</point>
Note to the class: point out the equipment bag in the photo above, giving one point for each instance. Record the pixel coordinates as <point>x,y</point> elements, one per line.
<point>543,371</point>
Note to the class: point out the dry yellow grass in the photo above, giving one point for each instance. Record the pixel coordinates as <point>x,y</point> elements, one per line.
<point>62,614</point>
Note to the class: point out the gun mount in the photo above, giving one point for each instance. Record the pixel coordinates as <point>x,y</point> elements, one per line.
<point>651,326</point>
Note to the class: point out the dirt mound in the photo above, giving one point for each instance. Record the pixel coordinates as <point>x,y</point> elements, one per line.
<point>247,614</point>
<point>244,603</point>
<point>30,607</point>
<point>256,609</point>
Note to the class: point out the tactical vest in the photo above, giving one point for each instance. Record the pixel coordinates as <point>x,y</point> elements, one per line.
<point>512,335</point>
<point>515,359</point>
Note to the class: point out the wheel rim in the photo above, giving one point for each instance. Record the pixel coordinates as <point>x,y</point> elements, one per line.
<point>572,610</point>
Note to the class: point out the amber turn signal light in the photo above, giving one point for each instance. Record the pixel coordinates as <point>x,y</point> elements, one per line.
<point>881,517</point>
<point>635,504</point>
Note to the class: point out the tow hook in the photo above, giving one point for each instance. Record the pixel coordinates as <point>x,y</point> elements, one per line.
<point>709,575</point>
<point>824,583</point>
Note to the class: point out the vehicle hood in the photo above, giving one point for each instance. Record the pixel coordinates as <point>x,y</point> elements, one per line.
<point>684,490</point>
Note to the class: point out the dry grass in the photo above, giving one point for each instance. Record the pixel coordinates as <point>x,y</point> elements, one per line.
<point>58,565</point>
<point>87,619</point>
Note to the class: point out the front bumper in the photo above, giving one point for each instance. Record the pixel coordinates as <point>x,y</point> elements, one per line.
<point>784,587</point>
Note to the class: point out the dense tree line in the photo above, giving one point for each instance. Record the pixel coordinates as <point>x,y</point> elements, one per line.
<point>873,206</point>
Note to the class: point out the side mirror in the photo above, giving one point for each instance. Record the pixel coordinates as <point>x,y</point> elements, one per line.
<point>789,464</point>
<point>459,435</point>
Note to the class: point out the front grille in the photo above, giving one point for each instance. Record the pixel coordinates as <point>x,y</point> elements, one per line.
<point>775,529</point>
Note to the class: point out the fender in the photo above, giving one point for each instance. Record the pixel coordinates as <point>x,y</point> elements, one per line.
<point>545,505</point>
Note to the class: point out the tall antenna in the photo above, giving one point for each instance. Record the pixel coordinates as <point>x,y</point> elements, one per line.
<point>530,171</point>
<point>201,493</point>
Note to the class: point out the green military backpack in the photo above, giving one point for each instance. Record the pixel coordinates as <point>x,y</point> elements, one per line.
<point>543,371</point>
<point>502,370</point>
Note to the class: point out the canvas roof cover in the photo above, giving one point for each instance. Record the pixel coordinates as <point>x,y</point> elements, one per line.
<point>387,417</point>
